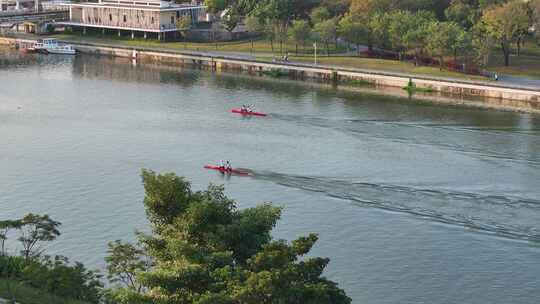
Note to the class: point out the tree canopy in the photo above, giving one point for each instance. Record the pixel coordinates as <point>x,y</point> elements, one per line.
<point>209,251</point>
<point>505,22</point>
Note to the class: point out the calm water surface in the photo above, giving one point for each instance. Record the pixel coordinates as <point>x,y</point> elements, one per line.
<point>414,202</point>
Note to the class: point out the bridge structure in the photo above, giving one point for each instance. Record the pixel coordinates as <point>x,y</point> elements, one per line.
<point>31,20</point>
<point>34,16</point>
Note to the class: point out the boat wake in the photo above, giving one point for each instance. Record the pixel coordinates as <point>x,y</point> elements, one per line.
<point>515,146</point>
<point>506,216</point>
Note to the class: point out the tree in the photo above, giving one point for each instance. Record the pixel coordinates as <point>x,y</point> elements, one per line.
<point>535,10</point>
<point>56,276</point>
<point>378,31</point>
<point>11,268</point>
<point>482,44</point>
<point>215,6</point>
<point>336,7</point>
<point>183,25</point>
<point>269,32</point>
<point>353,30</point>
<point>319,14</point>
<point>446,38</point>
<point>34,229</point>
<point>409,31</point>
<point>253,25</point>
<point>124,262</point>
<point>277,14</point>
<point>366,12</point>
<point>231,20</point>
<point>462,13</point>
<point>166,197</point>
<point>299,32</point>
<point>212,252</point>
<point>366,8</point>
<point>325,32</point>
<point>5,228</point>
<point>504,23</point>
<point>417,36</point>
<point>53,275</point>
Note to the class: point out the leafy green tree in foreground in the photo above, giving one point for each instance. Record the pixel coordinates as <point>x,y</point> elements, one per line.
<point>53,276</point>
<point>124,262</point>
<point>205,250</point>
<point>36,228</point>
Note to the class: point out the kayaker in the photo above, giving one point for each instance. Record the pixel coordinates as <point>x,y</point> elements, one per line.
<point>228,166</point>
<point>244,108</point>
<point>250,108</point>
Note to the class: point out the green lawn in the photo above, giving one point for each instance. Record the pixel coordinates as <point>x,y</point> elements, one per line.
<point>29,295</point>
<point>243,46</point>
<point>386,65</point>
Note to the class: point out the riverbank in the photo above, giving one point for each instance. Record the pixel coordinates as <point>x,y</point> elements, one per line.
<point>447,90</point>
<point>262,50</point>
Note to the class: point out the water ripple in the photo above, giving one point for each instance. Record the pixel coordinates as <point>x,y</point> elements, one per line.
<point>506,216</point>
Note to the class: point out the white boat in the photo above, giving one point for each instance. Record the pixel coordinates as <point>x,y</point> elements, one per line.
<point>62,49</point>
<point>52,46</point>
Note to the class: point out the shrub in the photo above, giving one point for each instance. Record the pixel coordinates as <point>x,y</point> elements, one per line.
<point>54,275</point>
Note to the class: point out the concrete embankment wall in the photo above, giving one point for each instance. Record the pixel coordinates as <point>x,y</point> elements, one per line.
<point>494,95</point>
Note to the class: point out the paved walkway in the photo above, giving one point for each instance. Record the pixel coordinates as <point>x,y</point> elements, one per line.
<point>513,80</point>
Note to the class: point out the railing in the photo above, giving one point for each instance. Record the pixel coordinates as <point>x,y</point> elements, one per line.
<point>32,11</point>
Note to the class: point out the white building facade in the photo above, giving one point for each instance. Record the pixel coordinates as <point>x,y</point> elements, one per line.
<point>134,16</point>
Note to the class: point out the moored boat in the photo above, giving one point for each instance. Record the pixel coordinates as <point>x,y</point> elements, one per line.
<point>52,46</point>
<point>62,49</point>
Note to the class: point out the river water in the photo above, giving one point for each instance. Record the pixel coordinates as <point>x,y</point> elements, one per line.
<point>414,202</point>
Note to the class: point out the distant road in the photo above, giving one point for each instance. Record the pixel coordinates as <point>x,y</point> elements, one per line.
<point>521,81</point>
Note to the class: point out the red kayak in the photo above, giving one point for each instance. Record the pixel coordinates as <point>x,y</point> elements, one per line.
<point>244,112</point>
<point>226,171</point>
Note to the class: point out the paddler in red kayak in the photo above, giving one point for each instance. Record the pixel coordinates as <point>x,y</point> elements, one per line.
<point>247,109</point>
<point>226,167</point>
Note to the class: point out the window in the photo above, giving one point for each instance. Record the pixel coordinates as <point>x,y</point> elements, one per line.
<point>110,17</point>
<point>177,14</point>
<point>172,19</point>
<point>152,20</point>
<point>125,18</point>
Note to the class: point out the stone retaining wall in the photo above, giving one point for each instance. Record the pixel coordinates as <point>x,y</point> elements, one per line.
<point>512,98</point>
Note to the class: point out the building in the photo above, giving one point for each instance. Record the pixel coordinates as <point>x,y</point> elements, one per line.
<point>135,17</point>
<point>19,5</point>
